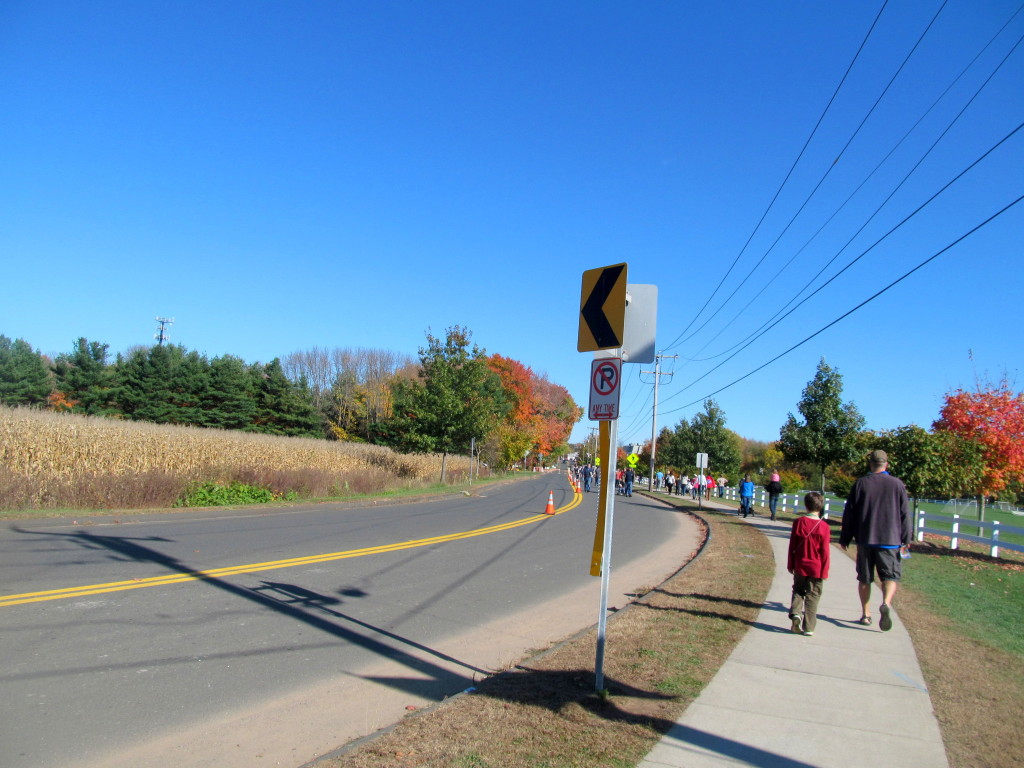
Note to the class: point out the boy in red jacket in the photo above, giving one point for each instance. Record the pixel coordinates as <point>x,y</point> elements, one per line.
<point>809,546</point>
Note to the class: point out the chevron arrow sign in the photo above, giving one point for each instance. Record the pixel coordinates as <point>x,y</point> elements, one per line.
<point>602,308</point>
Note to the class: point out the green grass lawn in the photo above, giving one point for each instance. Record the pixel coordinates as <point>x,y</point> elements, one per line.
<point>982,598</point>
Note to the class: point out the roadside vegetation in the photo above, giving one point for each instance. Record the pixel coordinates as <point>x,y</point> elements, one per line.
<point>963,610</point>
<point>67,461</point>
<point>456,399</point>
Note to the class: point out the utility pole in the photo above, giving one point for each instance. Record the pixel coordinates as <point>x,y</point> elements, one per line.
<point>162,335</point>
<point>654,416</point>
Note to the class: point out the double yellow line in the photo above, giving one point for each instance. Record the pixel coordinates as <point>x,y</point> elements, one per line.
<point>178,578</point>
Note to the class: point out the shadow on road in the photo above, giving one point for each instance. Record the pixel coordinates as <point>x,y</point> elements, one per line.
<point>293,602</point>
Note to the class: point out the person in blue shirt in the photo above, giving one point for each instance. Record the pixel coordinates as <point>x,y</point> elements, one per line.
<point>747,496</point>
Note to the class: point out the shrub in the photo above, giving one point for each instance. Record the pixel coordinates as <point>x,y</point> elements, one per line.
<point>217,495</point>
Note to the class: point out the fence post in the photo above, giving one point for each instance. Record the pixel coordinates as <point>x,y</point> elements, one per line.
<point>824,514</point>
<point>994,551</point>
<point>920,525</point>
<point>954,540</point>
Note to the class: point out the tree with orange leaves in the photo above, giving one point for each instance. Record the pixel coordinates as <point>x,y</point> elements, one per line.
<point>992,416</point>
<point>541,416</point>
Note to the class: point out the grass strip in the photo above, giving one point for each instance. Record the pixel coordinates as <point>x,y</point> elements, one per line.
<point>661,651</point>
<point>964,611</point>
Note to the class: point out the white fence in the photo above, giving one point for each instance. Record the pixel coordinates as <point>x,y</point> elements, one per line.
<point>992,541</point>
<point>794,502</point>
<point>788,502</point>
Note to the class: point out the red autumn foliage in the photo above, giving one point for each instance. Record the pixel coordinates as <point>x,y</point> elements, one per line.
<point>993,417</point>
<point>544,410</point>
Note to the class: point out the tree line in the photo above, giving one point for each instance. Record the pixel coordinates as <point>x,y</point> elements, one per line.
<point>454,396</point>
<point>975,447</point>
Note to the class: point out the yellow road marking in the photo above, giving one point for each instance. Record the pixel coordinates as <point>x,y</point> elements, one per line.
<point>178,578</point>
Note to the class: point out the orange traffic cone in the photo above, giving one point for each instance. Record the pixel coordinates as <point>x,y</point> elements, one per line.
<point>550,508</point>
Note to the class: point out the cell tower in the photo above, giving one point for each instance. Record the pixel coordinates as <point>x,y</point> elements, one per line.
<point>162,334</point>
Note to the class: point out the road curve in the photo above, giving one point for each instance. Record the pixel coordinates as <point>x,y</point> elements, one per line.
<point>276,635</point>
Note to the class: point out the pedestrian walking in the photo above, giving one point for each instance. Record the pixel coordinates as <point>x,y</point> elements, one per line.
<point>747,496</point>
<point>877,517</point>
<point>774,489</point>
<point>588,476</point>
<point>670,480</point>
<point>722,482</point>
<point>809,550</point>
<point>628,478</point>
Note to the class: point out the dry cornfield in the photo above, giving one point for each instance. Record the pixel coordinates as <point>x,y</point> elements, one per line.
<point>50,453</point>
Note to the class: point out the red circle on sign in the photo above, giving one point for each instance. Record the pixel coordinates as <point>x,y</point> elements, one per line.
<point>606,378</point>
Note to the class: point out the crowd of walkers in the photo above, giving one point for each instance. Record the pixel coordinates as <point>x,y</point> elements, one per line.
<point>699,485</point>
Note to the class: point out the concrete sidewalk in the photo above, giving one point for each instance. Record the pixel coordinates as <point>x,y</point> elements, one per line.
<point>847,696</point>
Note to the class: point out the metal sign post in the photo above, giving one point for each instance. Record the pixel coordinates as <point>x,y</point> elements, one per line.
<point>603,539</point>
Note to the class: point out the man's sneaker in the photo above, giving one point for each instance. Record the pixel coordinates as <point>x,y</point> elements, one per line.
<point>808,634</point>
<point>884,621</point>
<point>797,627</point>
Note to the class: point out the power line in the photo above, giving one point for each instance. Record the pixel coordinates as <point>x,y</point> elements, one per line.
<point>768,324</point>
<point>851,311</point>
<point>860,256</point>
<point>786,179</point>
<point>828,171</point>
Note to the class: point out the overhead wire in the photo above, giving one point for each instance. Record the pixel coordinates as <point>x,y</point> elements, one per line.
<point>768,323</point>
<point>854,309</point>
<point>775,197</point>
<point>857,258</point>
<point>824,176</point>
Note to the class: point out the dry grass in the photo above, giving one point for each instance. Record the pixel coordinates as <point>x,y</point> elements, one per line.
<point>661,652</point>
<point>50,460</point>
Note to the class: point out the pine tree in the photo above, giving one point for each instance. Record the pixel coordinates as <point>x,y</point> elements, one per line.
<point>86,378</point>
<point>283,407</point>
<point>229,402</point>
<point>24,378</point>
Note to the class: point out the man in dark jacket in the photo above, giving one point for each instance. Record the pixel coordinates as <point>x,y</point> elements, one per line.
<point>877,517</point>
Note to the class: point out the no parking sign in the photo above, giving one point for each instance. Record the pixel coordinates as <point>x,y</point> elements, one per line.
<point>605,375</point>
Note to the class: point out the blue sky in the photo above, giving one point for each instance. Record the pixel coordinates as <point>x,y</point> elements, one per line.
<point>282,175</point>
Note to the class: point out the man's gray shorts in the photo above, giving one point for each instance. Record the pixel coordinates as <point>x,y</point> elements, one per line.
<point>884,562</point>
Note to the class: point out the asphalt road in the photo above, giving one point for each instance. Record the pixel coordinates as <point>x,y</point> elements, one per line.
<point>114,633</point>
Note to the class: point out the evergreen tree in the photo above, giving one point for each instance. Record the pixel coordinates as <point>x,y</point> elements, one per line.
<point>85,378</point>
<point>144,378</point>
<point>189,384</point>
<point>829,431</point>
<point>24,378</point>
<point>229,402</point>
<point>283,407</point>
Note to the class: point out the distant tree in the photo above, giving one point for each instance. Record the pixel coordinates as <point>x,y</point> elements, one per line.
<point>24,378</point>
<point>931,464</point>
<point>228,401</point>
<point>350,387</point>
<point>282,407</point>
<point>992,416</point>
<point>704,433</point>
<point>828,432</point>
<point>86,378</point>
<point>457,399</point>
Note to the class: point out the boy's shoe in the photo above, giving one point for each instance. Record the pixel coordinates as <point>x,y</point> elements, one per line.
<point>808,634</point>
<point>885,621</point>
<point>797,627</point>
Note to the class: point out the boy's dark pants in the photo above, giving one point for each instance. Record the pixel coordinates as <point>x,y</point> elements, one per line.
<point>806,594</point>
